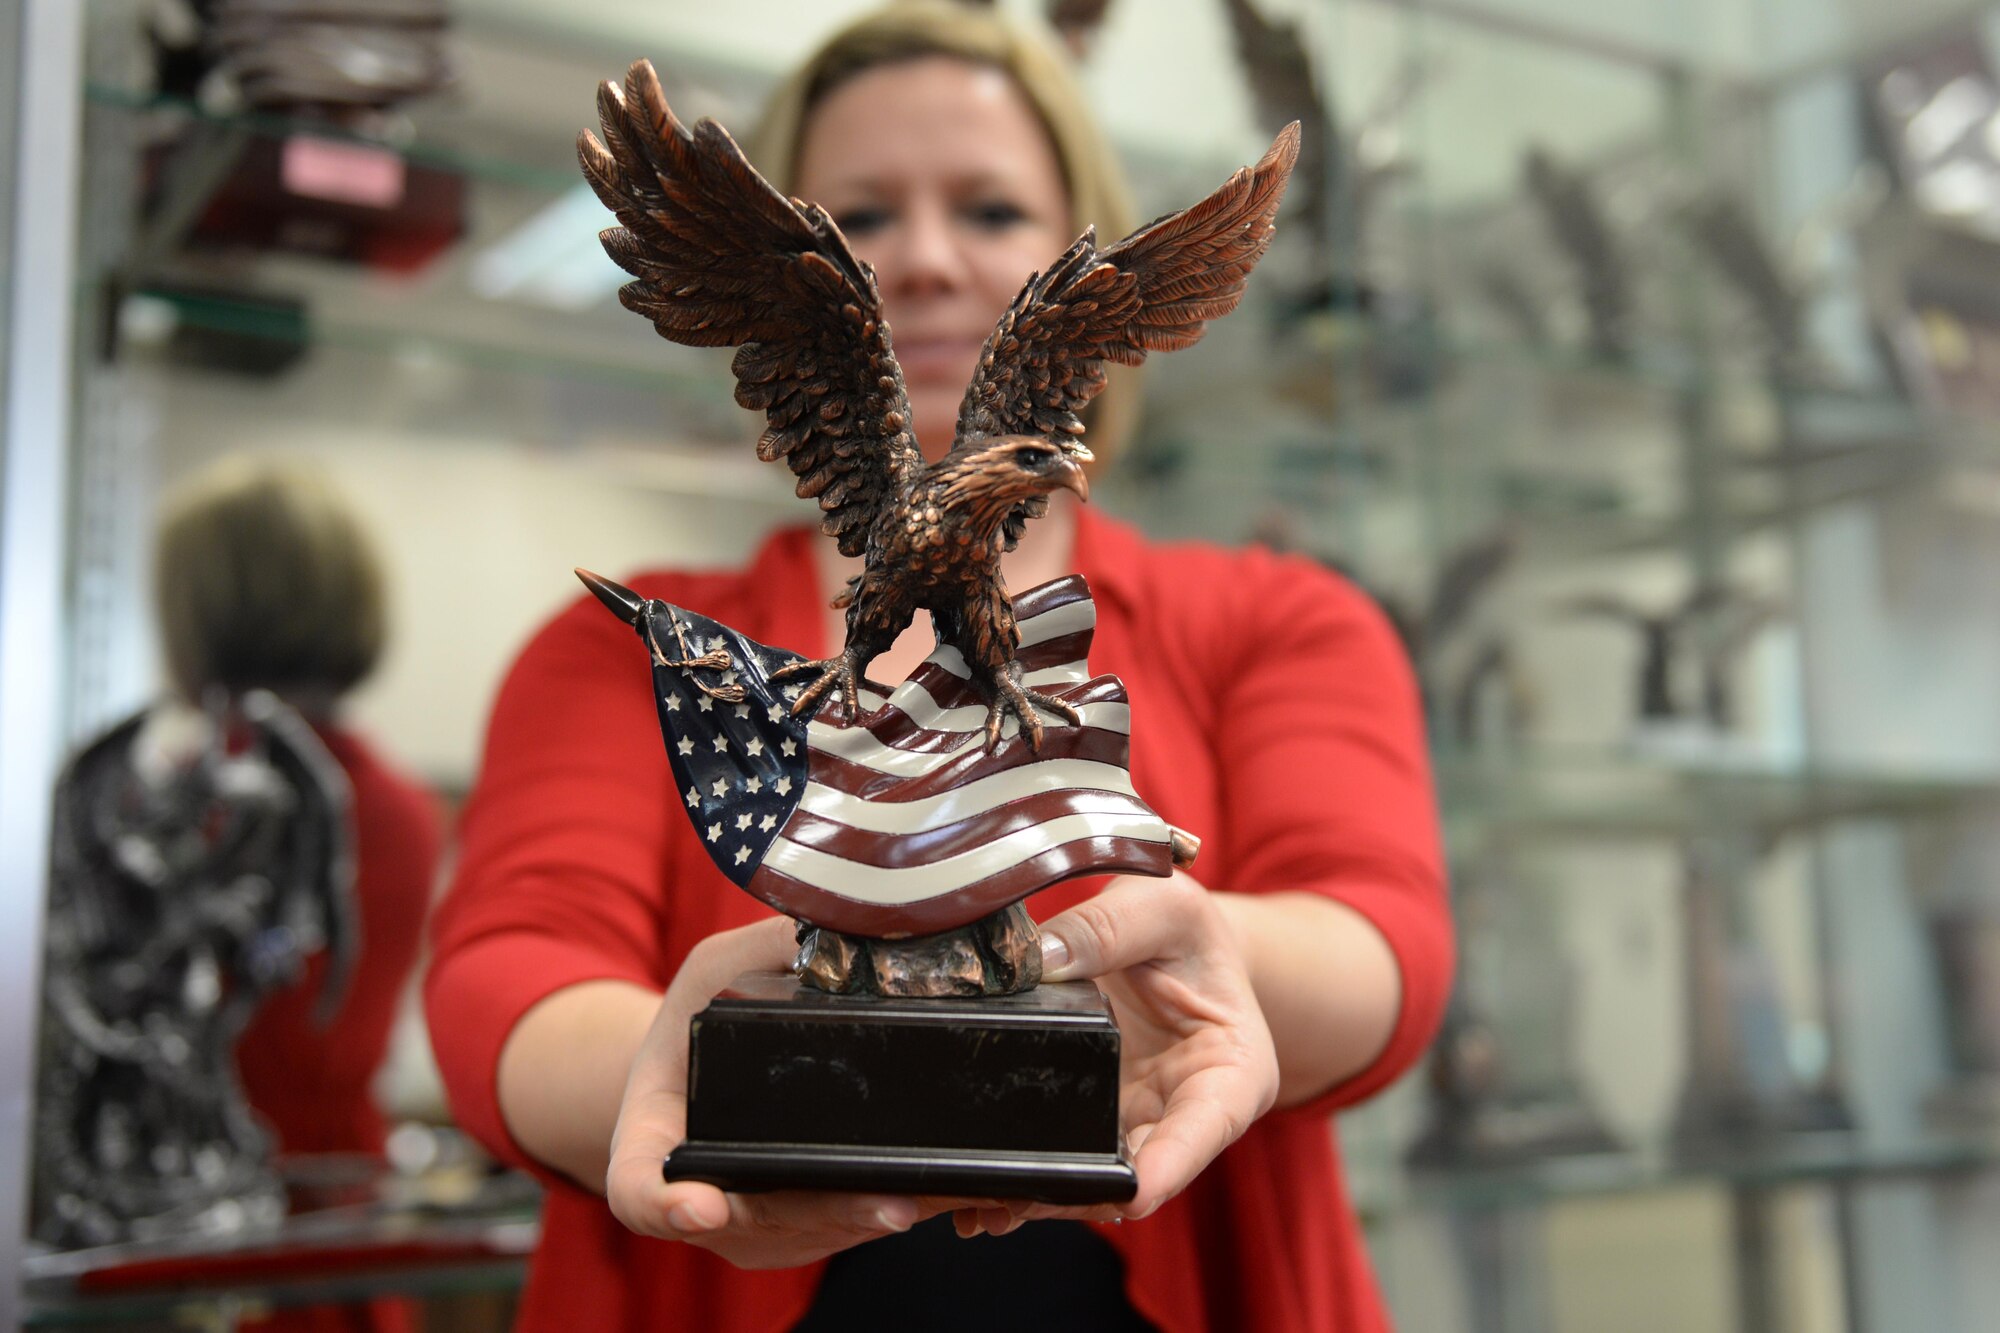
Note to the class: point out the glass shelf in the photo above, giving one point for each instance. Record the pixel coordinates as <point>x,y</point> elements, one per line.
<point>1804,1160</point>
<point>258,322</point>
<point>407,1275</point>
<point>412,1239</point>
<point>409,144</point>
<point>1616,795</point>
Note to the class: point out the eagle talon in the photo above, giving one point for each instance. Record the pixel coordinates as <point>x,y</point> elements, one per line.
<point>844,671</point>
<point>1010,696</point>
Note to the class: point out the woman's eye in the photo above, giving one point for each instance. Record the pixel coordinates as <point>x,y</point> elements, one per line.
<point>995,214</point>
<point>861,221</point>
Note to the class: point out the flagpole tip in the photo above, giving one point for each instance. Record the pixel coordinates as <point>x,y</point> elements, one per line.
<point>619,599</point>
<point>1186,847</point>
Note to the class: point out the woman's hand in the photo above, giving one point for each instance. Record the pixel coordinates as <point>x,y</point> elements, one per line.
<point>1197,1062</point>
<point>776,1230</point>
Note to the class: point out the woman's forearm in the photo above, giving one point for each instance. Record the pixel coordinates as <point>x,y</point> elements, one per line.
<point>1327,981</point>
<point>562,1074</point>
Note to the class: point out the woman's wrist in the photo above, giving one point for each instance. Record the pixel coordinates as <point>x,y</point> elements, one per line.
<point>563,1070</point>
<point>1327,981</point>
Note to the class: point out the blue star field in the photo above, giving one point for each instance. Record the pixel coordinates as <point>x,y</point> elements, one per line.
<point>739,768</point>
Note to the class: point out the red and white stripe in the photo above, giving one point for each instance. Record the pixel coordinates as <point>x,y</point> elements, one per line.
<point>908,826</point>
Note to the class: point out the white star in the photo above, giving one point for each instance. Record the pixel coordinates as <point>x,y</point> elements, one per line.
<point>729,678</point>
<point>789,748</point>
<point>714,832</point>
<point>707,704</point>
<point>722,745</point>
<point>753,785</point>
<point>784,785</point>
<point>717,645</point>
<point>673,703</point>
<point>743,710</point>
<point>694,797</point>
<point>792,691</point>
<point>777,713</point>
<point>742,855</point>
<point>721,787</point>
<point>743,821</point>
<point>768,822</point>
<point>686,746</point>
<point>755,747</point>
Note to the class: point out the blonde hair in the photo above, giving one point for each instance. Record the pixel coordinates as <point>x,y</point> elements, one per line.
<point>264,579</point>
<point>913,29</point>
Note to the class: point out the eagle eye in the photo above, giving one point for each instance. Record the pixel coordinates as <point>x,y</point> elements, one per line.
<point>1033,458</point>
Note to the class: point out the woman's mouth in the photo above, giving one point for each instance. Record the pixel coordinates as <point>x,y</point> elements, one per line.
<point>931,358</point>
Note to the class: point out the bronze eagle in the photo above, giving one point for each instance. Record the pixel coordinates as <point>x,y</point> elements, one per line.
<point>719,258</point>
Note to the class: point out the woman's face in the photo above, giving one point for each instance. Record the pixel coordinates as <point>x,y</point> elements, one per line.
<point>942,177</point>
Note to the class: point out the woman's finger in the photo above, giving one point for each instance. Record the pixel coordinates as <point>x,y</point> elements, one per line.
<point>657,1083</point>
<point>652,1118</point>
<point>808,1213</point>
<point>1205,1115</point>
<point>651,1206</point>
<point>1133,920</point>
<point>650,1125</point>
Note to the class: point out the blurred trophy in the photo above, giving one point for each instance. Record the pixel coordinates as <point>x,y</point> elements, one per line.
<point>1952,859</point>
<point>1503,1081</point>
<point>1475,692</point>
<point>1573,211</point>
<point>327,57</point>
<point>1966,941</point>
<point>198,860</point>
<point>1744,1088</point>
<point>1693,646</point>
<point>1344,175</point>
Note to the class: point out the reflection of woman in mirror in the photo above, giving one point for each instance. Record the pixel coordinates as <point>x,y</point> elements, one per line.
<point>266,581</point>
<point>1302,968</point>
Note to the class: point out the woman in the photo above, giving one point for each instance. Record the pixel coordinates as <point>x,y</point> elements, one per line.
<point>1276,718</point>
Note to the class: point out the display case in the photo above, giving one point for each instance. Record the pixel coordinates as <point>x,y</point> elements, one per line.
<point>1642,366</point>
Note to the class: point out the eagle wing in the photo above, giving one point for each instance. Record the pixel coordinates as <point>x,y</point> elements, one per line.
<point>1154,291</point>
<point>721,259</point>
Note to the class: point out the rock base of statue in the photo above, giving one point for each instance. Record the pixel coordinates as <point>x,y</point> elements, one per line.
<point>1001,1097</point>
<point>999,954</point>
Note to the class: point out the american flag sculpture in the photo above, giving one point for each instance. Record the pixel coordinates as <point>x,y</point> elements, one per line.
<point>900,821</point>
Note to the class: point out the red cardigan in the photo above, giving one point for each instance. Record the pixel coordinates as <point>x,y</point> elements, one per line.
<point>1274,715</point>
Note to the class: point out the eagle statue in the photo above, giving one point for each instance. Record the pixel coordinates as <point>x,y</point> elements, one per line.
<point>720,258</point>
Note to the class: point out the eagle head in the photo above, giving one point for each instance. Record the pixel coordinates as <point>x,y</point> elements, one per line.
<point>988,478</point>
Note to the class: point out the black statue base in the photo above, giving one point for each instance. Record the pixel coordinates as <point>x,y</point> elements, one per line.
<point>1000,1097</point>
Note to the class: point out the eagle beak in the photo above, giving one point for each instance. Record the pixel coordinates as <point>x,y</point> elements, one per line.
<point>1072,475</point>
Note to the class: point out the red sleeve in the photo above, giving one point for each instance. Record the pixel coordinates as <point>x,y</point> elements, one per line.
<point>561,860</point>
<point>1327,784</point>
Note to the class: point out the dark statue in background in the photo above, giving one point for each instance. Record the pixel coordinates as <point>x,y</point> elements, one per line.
<point>328,57</point>
<point>901,825</point>
<point>198,859</point>
<point>1572,209</point>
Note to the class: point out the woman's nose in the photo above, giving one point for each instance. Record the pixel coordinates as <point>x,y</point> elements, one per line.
<point>930,258</point>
